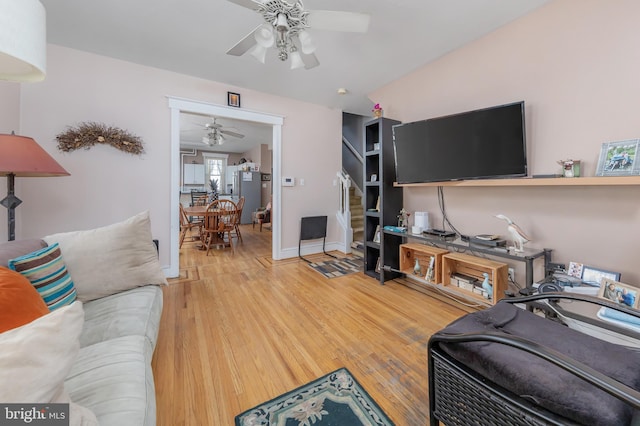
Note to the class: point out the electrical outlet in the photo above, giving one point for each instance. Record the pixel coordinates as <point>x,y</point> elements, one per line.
<point>512,275</point>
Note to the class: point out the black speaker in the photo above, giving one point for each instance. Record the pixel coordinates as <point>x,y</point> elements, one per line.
<point>549,288</point>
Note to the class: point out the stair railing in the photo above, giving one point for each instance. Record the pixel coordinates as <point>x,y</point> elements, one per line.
<point>344,213</point>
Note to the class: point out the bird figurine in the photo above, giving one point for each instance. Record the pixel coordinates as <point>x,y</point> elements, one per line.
<point>486,286</point>
<point>517,234</point>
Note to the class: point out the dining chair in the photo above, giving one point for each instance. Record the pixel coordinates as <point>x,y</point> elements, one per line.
<point>220,218</point>
<point>261,215</point>
<point>198,197</point>
<point>240,206</point>
<point>201,200</point>
<point>187,225</point>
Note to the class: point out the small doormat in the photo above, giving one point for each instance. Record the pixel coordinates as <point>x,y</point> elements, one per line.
<point>336,399</point>
<point>338,267</point>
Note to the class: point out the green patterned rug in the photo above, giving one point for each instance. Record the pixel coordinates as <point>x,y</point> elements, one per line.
<point>338,267</point>
<point>336,399</point>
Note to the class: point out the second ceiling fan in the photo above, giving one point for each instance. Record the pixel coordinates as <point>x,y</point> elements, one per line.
<point>216,133</point>
<point>285,27</point>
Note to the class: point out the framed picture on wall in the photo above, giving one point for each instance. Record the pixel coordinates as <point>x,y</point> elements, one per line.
<point>619,158</point>
<point>233,99</point>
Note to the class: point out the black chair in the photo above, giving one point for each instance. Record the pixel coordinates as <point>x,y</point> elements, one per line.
<point>313,228</point>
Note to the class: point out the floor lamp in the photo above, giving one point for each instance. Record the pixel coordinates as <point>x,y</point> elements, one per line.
<point>23,54</point>
<point>23,157</point>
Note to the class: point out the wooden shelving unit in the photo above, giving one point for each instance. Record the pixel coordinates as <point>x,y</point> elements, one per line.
<point>411,251</point>
<point>475,266</point>
<point>525,181</point>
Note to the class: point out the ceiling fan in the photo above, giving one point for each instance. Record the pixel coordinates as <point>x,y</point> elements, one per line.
<point>215,133</point>
<point>285,26</point>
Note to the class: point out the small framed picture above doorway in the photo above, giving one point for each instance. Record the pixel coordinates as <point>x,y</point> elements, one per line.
<point>233,99</point>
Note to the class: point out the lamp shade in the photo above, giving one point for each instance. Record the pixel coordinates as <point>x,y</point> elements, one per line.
<point>23,40</point>
<point>22,156</point>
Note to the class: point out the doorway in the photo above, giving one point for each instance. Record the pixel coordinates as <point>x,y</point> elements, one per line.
<point>179,105</point>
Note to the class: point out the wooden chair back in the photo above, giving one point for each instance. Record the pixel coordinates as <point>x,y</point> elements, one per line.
<point>220,219</point>
<point>202,200</point>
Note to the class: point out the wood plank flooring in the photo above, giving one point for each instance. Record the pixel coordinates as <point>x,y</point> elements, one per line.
<point>240,329</point>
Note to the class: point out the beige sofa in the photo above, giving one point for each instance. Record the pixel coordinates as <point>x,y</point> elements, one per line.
<point>116,275</point>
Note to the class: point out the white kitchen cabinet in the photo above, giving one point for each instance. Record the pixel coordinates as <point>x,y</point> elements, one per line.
<point>193,174</point>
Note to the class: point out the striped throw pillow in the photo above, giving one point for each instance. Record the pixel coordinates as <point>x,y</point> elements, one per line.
<point>47,272</point>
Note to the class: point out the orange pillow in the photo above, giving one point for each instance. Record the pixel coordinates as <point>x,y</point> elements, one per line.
<point>20,302</point>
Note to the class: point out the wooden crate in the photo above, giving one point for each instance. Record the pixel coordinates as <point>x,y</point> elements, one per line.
<point>410,252</point>
<point>475,266</point>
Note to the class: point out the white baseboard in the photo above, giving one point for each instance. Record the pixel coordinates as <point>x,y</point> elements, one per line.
<point>311,248</point>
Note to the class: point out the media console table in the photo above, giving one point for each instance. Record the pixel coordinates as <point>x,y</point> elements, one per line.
<point>466,255</point>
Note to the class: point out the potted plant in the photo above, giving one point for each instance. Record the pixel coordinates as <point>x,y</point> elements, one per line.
<point>213,184</point>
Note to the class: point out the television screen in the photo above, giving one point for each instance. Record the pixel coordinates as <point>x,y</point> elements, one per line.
<point>481,144</point>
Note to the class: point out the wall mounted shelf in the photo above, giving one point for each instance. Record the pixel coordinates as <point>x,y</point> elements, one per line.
<point>526,181</point>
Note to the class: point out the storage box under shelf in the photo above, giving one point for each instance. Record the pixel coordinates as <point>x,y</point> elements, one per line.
<point>472,266</point>
<point>410,252</point>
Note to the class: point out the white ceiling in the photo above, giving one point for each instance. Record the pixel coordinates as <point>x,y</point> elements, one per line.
<point>192,36</point>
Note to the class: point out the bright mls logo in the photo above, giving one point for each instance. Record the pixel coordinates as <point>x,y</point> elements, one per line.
<point>34,414</point>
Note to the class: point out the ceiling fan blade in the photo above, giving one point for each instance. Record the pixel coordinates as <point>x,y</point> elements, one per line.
<point>244,45</point>
<point>334,20</point>
<point>250,4</point>
<point>230,133</point>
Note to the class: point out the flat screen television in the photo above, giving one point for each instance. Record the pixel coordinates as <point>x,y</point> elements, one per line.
<point>482,144</point>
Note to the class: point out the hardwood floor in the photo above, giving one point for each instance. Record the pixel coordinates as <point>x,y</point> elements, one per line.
<point>240,329</point>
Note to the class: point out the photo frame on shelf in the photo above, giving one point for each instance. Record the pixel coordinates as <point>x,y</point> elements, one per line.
<point>374,177</point>
<point>619,158</point>
<point>594,276</point>
<point>376,235</point>
<point>378,266</point>
<point>618,292</point>
<point>575,269</point>
<point>233,99</point>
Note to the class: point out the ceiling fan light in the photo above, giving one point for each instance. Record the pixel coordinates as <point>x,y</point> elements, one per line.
<point>296,60</point>
<point>264,35</point>
<point>259,52</point>
<point>281,23</point>
<point>306,43</point>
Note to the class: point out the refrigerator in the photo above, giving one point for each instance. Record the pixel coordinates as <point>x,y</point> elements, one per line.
<point>247,185</point>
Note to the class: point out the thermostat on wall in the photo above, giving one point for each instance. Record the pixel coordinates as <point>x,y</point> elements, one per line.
<point>288,181</point>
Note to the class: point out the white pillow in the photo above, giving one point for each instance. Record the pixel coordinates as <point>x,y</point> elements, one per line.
<point>111,259</point>
<point>36,357</point>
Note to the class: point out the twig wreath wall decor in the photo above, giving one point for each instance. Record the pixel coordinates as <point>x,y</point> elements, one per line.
<point>87,134</point>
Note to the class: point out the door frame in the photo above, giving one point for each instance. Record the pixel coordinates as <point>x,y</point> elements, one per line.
<point>178,105</point>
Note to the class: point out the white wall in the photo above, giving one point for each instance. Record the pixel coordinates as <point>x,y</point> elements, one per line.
<point>107,185</point>
<point>576,66</point>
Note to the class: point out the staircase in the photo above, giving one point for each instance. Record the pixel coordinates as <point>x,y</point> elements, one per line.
<point>357,222</point>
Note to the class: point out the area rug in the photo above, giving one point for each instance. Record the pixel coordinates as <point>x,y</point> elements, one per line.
<point>338,267</point>
<point>336,399</point>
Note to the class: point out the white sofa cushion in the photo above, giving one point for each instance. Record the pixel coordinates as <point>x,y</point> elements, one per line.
<point>114,258</point>
<point>36,357</point>
<point>114,379</point>
<point>134,312</point>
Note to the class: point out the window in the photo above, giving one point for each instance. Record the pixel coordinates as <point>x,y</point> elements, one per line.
<point>215,166</point>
